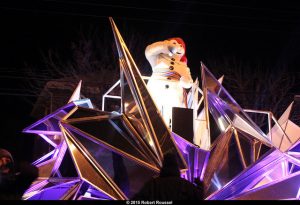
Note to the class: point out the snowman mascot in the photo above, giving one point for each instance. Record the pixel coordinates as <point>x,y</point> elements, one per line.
<point>170,76</point>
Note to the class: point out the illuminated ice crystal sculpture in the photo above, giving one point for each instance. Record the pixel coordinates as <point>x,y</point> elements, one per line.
<point>114,153</point>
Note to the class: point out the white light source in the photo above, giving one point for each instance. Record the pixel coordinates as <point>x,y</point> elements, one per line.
<point>221,125</point>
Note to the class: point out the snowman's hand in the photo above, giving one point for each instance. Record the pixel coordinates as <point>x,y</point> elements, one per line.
<point>152,51</point>
<point>175,49</point>
<point>185,82</point>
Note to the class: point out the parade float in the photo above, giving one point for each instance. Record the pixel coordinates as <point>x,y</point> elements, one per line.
<point>109,155</point>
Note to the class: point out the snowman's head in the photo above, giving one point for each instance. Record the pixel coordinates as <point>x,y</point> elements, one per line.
<point>180,45</point>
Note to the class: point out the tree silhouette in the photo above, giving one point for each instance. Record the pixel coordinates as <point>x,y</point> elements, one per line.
<point>92,58</point>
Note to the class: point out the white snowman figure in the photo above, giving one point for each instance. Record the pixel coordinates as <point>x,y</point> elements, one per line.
<point>170,76</point>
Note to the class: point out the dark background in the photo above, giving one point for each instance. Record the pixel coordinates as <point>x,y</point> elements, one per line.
<point>251,31</point>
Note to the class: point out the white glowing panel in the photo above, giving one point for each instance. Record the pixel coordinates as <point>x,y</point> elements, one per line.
<point>282,140</point>
<point>241,124</point>
<point>76,94</point>
<point>293,131</point>
<point>201,137</point>
<point>285,116</point>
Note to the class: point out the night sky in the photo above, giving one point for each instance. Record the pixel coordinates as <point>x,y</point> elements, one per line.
<point>251,31</point>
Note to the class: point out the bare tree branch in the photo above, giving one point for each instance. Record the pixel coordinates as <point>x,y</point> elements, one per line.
<point>256,86</point>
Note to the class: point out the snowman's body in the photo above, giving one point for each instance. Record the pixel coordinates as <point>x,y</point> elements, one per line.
<point>170,77</point>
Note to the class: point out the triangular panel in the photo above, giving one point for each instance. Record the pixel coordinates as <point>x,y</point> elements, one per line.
<point>105,134</point>
<point>217,161</point>
<point>55,191</point>
<point>251,176</point>
<point>49,124</point>
<point>287,188</point>
<point>82,112</point>
<point>76,94</point>
<point>195,157</point>
<point>129,175</point>
<point>67,168</point>
<point>90,171</point>
<point>91,193</point>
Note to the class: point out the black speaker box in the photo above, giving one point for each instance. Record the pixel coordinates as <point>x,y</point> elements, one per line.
<point>182,122</point>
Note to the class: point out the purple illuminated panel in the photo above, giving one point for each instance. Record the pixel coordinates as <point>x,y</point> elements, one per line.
<point>195,157</point>
<point>249,177</point>
<point>55,192</point>
<point>93,194</point>
<point>286,188</point>
<point>49,125</point>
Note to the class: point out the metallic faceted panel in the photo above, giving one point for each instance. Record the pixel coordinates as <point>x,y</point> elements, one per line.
<point>50,189</point>
<point>286,188</point>
<point>104,134</point>
<point>225,109</point>
<point>90,171</point>
<point>218,164</point>
<point>251,176</point>
<point>56,191</point>
<point>128,174</point>
<point>195,157</point>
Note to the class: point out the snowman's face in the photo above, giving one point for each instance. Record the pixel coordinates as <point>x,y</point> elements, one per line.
<point>179,48</point>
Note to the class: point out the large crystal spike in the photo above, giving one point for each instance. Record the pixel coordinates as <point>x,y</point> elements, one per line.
<point>225,110</point>
<point>157,133</point>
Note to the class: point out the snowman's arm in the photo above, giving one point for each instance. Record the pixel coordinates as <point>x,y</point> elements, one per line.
<point>186,80</point>
<point>157,48</point>
<point>152,51</point>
